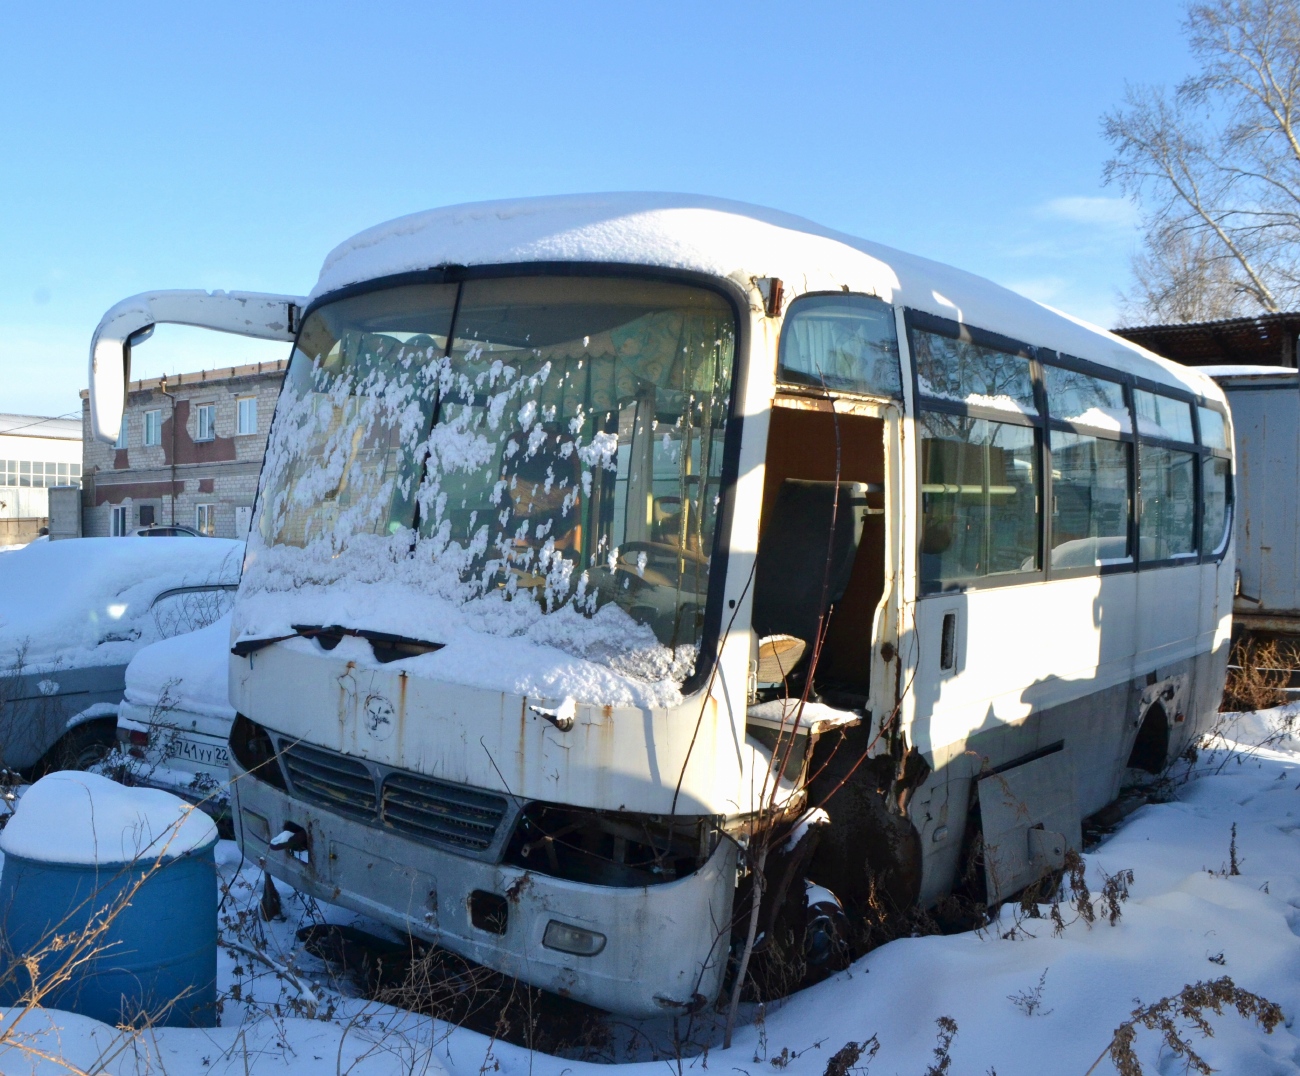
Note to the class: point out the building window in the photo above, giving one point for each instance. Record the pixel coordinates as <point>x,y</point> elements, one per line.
<point>146,515</point>
<point>38,474</point>
<point>205,519</point>
<point>121,435</point>
<point>119,521</point>
<point>207,419</point>
<point>153,427</point>
<point>246,414</point>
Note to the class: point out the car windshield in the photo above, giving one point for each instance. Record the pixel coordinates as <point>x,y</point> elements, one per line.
<point>555,441</point>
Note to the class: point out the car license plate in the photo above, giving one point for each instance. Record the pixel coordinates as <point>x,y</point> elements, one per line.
<point>205,754</point>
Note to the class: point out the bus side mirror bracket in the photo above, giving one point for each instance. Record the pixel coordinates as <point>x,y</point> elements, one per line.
<point>263,316</point>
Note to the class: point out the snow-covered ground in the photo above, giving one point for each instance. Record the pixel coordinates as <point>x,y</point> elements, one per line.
<point>1025,998</point>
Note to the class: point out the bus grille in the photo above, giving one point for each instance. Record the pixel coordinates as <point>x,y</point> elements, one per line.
<point>441,813</point>
<point>334,781</point>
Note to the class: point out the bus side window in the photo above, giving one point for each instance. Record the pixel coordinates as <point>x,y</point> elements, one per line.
<point>1166,477</point>
<point>979,499</point>
<point>845,342</point>
<point>1215,516</point>
<point>1168,495</point>
<point>1091,447</point>
<point>1216,483</point>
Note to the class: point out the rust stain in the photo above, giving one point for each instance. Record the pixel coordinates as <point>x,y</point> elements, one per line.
<point>607,711</point>
<point>401,708</point>
<point>519,887</point>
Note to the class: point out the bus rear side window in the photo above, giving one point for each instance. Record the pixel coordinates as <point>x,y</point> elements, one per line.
<point>1168,493</point>
<point>1215,472</point>
<point>979,499</point>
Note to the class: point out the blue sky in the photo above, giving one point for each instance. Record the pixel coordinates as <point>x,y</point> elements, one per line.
<point>233,145</point>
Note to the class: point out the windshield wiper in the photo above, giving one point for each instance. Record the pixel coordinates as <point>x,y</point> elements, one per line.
<point>386,647</point>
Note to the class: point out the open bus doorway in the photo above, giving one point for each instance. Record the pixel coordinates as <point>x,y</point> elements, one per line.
<point>822,565</point>
<point>821,552</point>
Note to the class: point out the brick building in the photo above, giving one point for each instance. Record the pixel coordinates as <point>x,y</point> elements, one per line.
<point>190,452</point>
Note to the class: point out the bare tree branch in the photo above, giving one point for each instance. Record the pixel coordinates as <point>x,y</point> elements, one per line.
<point>1215,166</point>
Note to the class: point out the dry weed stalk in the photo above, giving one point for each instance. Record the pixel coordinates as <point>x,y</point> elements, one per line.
<point>943,1048</point>
<point>849,1056</point>
<point>1232,868</point>
<point>1189,1005</point>
<point>1030,1002</point>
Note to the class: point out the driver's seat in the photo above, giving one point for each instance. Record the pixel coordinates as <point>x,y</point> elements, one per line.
<point>797,542</point>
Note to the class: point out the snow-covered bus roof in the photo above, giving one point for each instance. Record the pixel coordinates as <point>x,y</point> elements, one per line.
<point>730,240</point>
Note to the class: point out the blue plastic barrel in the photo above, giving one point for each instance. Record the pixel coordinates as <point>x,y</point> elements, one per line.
<point>155,960</point>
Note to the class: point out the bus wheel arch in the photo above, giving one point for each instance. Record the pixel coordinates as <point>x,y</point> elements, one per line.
<point>1150,750</point>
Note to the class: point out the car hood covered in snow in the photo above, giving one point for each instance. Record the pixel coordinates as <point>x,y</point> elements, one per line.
<point>96,601</point>
<point>188,672</point>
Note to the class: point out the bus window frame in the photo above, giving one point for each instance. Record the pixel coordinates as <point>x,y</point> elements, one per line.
<point>1044,423</point>
<point>712,637</point>
<point>919,320</point>
<point>1104,373</point>
<point>1199,452</point>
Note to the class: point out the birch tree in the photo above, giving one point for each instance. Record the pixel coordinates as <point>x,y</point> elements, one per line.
<point>1215,168</point>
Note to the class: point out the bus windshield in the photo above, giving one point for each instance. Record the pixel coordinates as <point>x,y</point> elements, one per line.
<point>542,442</point>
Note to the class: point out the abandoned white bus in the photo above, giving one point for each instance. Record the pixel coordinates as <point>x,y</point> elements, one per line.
<point>569,503</point>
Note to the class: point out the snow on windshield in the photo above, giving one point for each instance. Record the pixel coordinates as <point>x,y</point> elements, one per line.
<point>537,458</point>
<point>96,601</point>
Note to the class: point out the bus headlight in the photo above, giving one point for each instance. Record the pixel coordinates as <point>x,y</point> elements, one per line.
<point>571,939</point>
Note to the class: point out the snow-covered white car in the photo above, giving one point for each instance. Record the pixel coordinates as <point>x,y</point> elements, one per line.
<point>174,720</point>
<point>72,616</point>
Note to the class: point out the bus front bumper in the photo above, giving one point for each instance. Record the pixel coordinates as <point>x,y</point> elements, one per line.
<point>664,947</point>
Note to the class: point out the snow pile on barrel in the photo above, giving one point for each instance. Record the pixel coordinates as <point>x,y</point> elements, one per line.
<point>83,818</point>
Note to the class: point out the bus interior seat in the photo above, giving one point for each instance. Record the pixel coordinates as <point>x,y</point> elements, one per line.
<point>806,529</point>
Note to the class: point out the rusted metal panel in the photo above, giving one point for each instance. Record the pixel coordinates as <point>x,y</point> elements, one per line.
<point>1030,816</point>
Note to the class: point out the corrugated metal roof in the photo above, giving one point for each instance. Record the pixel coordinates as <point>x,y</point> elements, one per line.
<point>1263,340</point>
<point>64,429</point>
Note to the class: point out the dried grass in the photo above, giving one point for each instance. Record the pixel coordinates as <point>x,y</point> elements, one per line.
<point>1190,1005</point>
<point>1258,673</point>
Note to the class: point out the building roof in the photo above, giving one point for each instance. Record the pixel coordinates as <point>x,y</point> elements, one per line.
<point>722,239</point>
<point>63,429</point>
<point>1245,371</point>
<point>1265,340</point>
<point>201,377</point>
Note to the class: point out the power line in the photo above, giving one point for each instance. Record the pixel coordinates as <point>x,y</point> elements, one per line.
<point>47,418</point>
